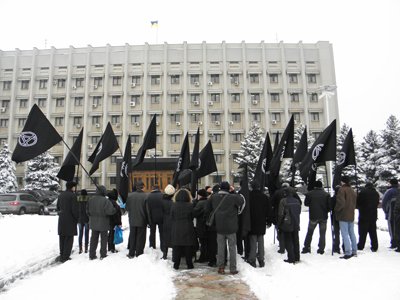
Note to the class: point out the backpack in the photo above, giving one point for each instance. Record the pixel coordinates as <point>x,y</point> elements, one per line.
<point>286,223</point>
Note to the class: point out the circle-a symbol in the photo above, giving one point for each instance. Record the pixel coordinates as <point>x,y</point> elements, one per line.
<point>316,151</point>
<point>178,166</point>
<point>264,166</point>
<point>124,169</point>
<point>341,158</point>
<point>27,139</point>
<point>199,164</point>
<point>100,148</point>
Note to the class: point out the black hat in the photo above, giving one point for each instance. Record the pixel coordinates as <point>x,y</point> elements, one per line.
<point>70,184</point>
<point>345,179</point>
<point>225,186</point>
<point>203,193</point>
<point>394,181</point>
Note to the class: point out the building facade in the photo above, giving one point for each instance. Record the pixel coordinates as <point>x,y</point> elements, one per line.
<point>221,88</point>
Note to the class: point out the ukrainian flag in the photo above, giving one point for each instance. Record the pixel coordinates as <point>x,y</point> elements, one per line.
<point>154,24</point>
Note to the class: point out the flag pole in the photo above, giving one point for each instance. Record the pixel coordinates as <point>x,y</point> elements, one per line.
<point>330,213</point>
<point>79,163</point>
<point>155,165</point>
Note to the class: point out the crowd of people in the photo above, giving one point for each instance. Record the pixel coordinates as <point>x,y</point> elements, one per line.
<point>209,228</point>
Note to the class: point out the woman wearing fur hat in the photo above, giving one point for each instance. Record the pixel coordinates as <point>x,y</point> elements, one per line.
<point>169,192</point>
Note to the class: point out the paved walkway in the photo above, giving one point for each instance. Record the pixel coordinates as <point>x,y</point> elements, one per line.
<point>204,283</point>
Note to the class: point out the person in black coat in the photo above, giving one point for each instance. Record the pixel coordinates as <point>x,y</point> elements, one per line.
<point>318,202</point>
<point>183,237</point>
<point>336,227</point>
<point>83,221</point>
<point>169,192</point>
<point>67,207</point>
<point>201,230</point>
<point>260,217</point>
<point>155,214</point>
<point>115,219</point>
<point>367,204</point>
<point>289,223</point>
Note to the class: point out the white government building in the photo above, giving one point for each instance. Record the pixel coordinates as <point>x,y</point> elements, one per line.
<point>222,88</point>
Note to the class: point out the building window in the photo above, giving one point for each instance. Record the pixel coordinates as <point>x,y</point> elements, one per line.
<point>78,101</point>
<point>294,97</point>
<point>235,79</point>
<point>135,119</point>
<point>193,138</point>
<point>95,120</point>
<point>273,78</point>
<point>255,96</point>
<point>23,103</point>
<point>60,102</point>
<point>77,120</point>
<point>236,117</point>
<point>216,138</point>
<point>96,101</point>
<point>113,159</point>
<point>218,158</point>
<point>175,138</point>
<point>316,135</point>
<point>115,120</point>
<point>175,98</point>
<point>194,97</point>
<point>215,97</point>
<point>43,84</point>
<point>175,79</point>
<point>135,99</point>
<point>195,79</point>
<point>3,122</point>
<point>214,78</point>
<point>312,78</point>
<point>314,97</point>
<point>236,137</point>
<point>136,80</point>
<point>116,80</point>
<point>24,84</point>
<point>113,180</point>
<point>61,83</point>
<point>293,78</point>
<point>154,99</point>
<point>296,117</point>
<point>5,103</point>
<point>175,118</point>
<point>6,85</point>
<point>194,118</point>
<point>21,122</point>
<point>256,117</point>
<point>59,121</point>
<point>254,78</point>
<point>42,102</point>
<point>235,97</point>
<point>155,79</point>
<point>275,97</point>
<point>135,139</point>
<point>215,117</point>
<point>98,81</point>
<point>79,82</point>
<point>276,117</point>
<point>95,140</point>
<point>116,100</point>
<point>315,116</point>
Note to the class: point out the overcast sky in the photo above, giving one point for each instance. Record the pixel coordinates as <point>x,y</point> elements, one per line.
<point>365,35</point>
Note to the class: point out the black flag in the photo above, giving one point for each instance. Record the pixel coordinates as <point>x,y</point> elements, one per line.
<point>37,136</point>
<point>285,150</point>
<point>301,149</point>
<point>206,161</point>
<point>264,163</point>
<point>125,171</point>
<point>67,170</point>
<point>323,149</point>
<point>149,142</point>
<point>183,160</point>
<point>194,162</point>
<point>347,157</point>
<point>244,217</point>
<point>107,145</point>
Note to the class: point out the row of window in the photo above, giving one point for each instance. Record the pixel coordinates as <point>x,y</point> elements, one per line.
<point>156,80</point>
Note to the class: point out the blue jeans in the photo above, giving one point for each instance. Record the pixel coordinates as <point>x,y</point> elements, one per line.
<point>348,236</point>
<point>83,230</point>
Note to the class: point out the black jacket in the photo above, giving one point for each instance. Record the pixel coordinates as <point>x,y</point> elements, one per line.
<point>293,206</point>
<point>99,210</point>
<point>367,204</point>
<point>136,207</point>
<point>115,219</point>
<point>154,207</point>
<point>200,215</point>
<point>67,207</point>
<point>82,203</point>
<point>182,233</point>
<point>167,224</point>
<point>319,203</point>
<point>260,212</point>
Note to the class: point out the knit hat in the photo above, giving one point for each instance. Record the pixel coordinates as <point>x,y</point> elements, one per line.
<point>203,193</point>
<point>225,185</point>
<point>169,190</point>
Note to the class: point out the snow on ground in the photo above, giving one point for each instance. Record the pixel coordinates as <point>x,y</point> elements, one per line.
<point>32,240</point>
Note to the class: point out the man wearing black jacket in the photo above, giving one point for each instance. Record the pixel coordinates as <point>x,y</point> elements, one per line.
<point>318,202</point>
<point>154,207</point>
<point>367,204</point>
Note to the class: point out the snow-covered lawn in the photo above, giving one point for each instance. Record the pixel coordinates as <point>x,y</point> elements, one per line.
<point>30,243</point>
